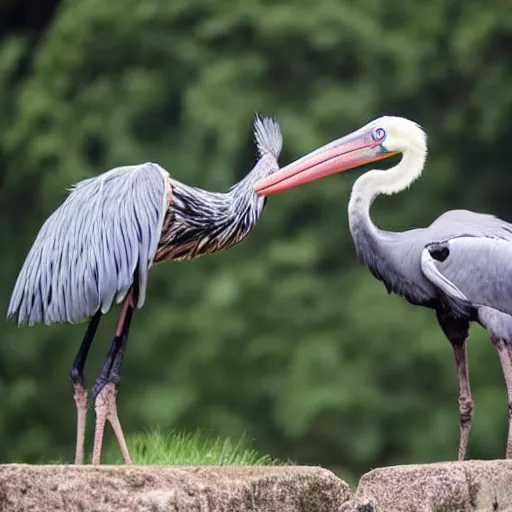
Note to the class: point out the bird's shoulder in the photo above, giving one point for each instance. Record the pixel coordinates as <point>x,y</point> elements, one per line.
<point>466,223</point>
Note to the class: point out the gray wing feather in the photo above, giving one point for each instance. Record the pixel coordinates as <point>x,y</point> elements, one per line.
<point>88,251</point>
<point>477,269</point>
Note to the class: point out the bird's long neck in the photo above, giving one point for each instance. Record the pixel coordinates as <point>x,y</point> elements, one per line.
<point>266,165</point>
<point>200,222</point>
<point>373,245</point>
<point>376,182</point>
<point>383,252</point>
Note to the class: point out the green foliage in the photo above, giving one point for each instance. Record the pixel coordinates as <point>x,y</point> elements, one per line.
<point>188,449</point>
<point>285,336</point>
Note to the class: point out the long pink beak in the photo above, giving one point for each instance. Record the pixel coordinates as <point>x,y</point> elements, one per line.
<point>353,150</point>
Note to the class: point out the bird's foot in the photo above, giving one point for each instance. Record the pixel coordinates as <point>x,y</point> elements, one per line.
<point>80,397</point>
<point>106,409</point>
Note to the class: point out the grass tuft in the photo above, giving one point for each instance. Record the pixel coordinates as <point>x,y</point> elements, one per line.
<point>177,448</point>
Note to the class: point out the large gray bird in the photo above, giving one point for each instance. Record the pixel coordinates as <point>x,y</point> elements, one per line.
<point>460,266</point>
<point>97,249</point>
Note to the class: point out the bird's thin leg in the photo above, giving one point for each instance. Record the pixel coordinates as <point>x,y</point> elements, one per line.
<point>504,350</point>
<point>465,397</point>
<point>105,389</point>
<point>456,330</point>
<point>76,373</point>
<point>113,382</point>
<point>508,453</point>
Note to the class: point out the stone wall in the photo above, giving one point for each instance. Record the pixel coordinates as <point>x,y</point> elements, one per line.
<point>443,487</point>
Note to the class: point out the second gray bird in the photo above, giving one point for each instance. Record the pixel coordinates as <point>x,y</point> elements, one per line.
<point>460,266</point>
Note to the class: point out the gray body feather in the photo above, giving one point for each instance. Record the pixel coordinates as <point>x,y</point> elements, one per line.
<point>87,252</point>
<point>472,283</point>
<point>104,238</point>
<point>476,269</point>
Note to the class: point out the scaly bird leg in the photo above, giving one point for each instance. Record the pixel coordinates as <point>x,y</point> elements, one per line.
<point>113,381</point>
<point>456,330</point>
<point>504,350</point>
<point>465,397</point>
<point>105,389</point>
<point>80,393</point>
<point>106,409</point>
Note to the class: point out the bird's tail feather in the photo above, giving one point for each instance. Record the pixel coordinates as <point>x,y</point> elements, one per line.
<point>269,139</point>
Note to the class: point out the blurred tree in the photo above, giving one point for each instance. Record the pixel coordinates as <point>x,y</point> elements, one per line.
<point>284,337</point>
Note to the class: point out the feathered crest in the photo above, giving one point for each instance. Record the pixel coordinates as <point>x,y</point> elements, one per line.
<point>269,139</point>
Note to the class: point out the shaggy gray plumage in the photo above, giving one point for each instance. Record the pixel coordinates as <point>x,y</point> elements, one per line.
<point>113,227</point>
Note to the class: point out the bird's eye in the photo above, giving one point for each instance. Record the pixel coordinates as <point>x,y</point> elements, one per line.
<point>378,134</point>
